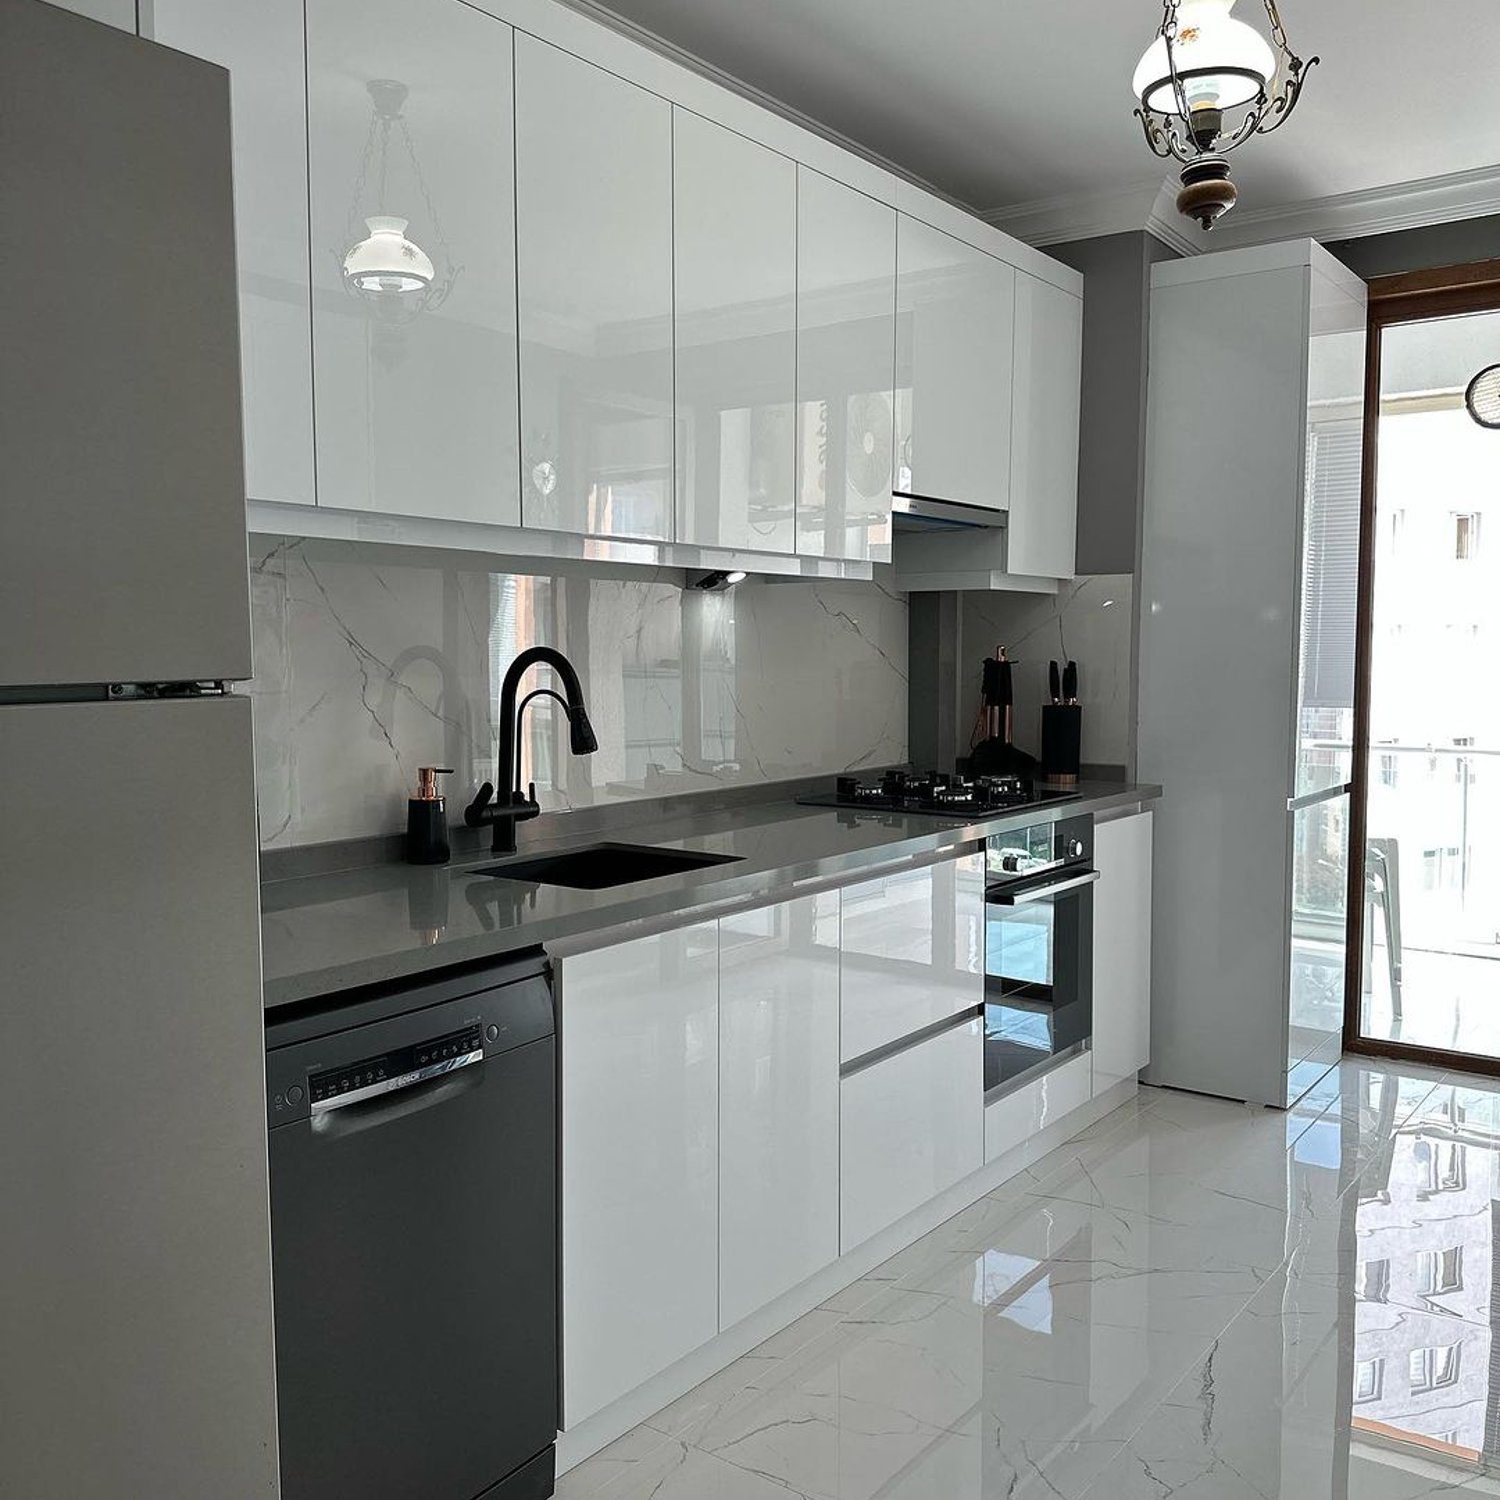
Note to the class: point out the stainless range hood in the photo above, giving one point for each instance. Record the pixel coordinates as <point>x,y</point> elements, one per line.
<point>918,513</point>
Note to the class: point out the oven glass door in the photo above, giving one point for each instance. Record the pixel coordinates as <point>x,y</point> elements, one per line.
<point>1037,988</point>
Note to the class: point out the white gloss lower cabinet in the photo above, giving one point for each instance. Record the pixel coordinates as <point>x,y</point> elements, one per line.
<point>912,951</point>
<point>1043,522</point>
<point>911,1125</point>
<point>846,352</point>
<point>410,124</point>
<point>1015,1117</point>
<point>955,309</point>
<point>262,45</point>
<point>640,1161</point>
<point>594,277</point>
<point>1122,949</point>
<point>778,1100</point>
<point>735,318</point>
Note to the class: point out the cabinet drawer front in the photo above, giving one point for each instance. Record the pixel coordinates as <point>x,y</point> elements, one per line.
<point>912,952</point>
<point>640,1095</point>
<point>910,1126</point>
<point>1015,1118</point>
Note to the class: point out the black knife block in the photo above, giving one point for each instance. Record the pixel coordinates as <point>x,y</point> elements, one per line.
<point>1062,742</point>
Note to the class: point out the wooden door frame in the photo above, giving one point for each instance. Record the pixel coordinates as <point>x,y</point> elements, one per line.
<point>1414,297</point>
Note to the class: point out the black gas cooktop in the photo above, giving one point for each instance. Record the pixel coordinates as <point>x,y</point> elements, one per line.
<point>938,794</point>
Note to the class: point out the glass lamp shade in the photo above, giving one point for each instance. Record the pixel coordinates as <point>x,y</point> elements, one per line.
<point>386,261</point>
<point>1222,62</point>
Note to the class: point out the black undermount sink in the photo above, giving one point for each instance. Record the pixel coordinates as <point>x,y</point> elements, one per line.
<point>599,866</point>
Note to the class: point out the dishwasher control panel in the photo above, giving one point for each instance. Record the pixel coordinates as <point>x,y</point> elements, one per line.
<point>401,1068</point>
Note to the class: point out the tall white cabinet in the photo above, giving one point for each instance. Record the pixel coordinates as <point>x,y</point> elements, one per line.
<point>735,274</point>
<point>410,118</point>
<point>846,353</point>
<point>955,311</point>
<point>262,46</point>
<point>594,253</point>
<point>1246,675</point>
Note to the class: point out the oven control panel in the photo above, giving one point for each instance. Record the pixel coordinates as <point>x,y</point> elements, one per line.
<point>1041,847</point>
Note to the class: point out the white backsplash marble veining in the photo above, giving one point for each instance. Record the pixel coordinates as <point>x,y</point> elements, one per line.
<point>1089,620</point>
<point>372,661</point>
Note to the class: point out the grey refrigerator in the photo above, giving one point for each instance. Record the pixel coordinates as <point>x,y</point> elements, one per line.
<point>135,1274</point>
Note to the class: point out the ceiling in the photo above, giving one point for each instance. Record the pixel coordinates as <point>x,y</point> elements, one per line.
<point>998,103</point>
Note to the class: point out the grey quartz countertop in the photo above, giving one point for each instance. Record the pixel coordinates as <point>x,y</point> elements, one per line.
<point>334,931</point>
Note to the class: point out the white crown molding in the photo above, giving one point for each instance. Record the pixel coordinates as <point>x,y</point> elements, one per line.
<point>1085,216</point>
<point>1380,210</point>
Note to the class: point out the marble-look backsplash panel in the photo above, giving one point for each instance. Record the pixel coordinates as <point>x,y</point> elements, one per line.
<point>1090,620</point>
<point>371,661</point>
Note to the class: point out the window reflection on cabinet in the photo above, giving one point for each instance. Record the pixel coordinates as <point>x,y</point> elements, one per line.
<point>594,254</point>
<point>846,338</point>
<point>413,258</point>
<point>954,335</point>
<point>262,46</point>
<point>736,337</point>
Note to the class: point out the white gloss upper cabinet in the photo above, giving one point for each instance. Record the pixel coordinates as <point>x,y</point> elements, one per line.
<point>594,261</point>
<point>955,307</point>
<point>1122,949</point>
<point>410,119</point>
<point>846,349</point>
<point>911,951</point>
<point>778,1100</point>
<point>1043,522</point>
<point>117,13</point>
<point>262,46</point>
<point>640,1179</point>
<point>736,338</point>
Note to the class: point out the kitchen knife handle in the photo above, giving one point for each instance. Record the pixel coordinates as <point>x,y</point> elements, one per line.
<point>1052,682</point>
<point>1070,682</point>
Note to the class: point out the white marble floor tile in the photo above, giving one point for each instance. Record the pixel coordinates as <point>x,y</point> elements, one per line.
<point>1193,1299</point>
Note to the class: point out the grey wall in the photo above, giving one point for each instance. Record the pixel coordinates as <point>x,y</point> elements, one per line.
<point>1111,464</point>
<point>1420,249</point>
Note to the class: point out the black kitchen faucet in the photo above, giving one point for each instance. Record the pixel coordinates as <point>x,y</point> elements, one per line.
<point>517,805</point>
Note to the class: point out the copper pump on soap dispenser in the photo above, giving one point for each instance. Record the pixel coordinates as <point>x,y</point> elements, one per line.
<point>427,820</point>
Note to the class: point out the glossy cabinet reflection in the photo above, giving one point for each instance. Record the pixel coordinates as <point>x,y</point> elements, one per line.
<point>414,351</point>
<point>1044,430</point>
<point>262,46</point>
<point>779,1100</point>
<point>1122,949</point>
<point>954,335</point>
<point>912,951</point>
<point>594,261</point>
<point>910,1126</point>
<point>735,250</point>
<point>846,347</point>
<point>640,1173</point>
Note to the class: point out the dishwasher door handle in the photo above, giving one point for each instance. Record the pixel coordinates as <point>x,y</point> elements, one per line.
<point>412,1096</point>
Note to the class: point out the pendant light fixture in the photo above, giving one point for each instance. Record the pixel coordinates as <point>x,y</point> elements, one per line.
<point>388,269</point>
<point>1205,86</point>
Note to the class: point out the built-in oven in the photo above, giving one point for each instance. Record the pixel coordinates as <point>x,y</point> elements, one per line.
<point>1038,950</point>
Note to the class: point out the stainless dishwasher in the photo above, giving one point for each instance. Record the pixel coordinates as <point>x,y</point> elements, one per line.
<point>413,1136</point>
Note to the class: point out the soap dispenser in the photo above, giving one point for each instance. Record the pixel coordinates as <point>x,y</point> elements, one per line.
<point>427,820</point>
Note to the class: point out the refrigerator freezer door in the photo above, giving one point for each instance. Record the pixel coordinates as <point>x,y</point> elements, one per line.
<point>122,518</point>
<point>135,1261</point>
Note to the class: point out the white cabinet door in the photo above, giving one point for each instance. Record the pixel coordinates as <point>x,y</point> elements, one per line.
<point>1122,949</point>
<point>778,1100</point>
<point>954,327</point>
<point>640,1145</point>
<point>911,951</point>
<point>1015,1117</point>
<point>911,1125</point>
<point>262,46</point>
<point>736,338</point>
<point>846,350</point>
<point>409,123</point>
<point>1044,436</point>
<point>594,259</point>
